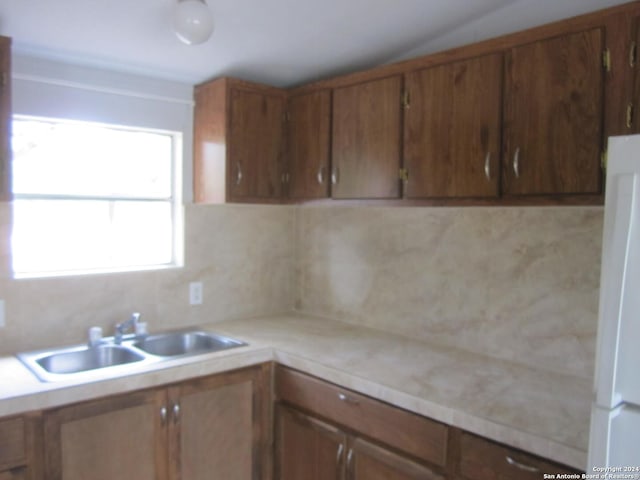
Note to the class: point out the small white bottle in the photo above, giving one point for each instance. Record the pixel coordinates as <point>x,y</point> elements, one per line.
<point>95,336</point>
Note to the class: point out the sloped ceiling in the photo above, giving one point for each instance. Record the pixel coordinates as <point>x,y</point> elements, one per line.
<point>278,42</point>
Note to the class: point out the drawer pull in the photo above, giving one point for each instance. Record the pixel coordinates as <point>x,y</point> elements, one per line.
<point>339,457</point>
<point>487,166</point>
<point>349,460</point>
<point>516,163</point>
<point>521,466</point>
<point>348,399</point>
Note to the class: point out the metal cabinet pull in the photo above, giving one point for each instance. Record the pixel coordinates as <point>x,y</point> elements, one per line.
<point>516,163</point>
<point>320,175</point>
<point>163,415</point>
<point>629,115</point>
<point>487,166</point>
<point>339,456</point>
<point>633,54</point>
<point>521,466</point>
<point>176,412</point>
<point>349,460</point>
<point>335,175</point>
<point>239,174</point>
<point>346,398</point>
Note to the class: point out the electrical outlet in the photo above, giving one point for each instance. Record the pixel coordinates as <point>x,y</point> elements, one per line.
<point>195,293</point>
<point>2,320</point>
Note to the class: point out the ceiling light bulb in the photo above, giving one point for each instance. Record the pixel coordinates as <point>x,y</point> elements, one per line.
<point>193,21</point>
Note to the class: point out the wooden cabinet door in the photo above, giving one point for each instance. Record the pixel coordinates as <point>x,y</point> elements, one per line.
<point>255,144</point>
<point>307,448</point>
<point>366,461</point>
<point>309,144</point>
<point>5,117</point>
<point>216,427</point>
<point>553,116</point>
<point>116,437</point>
<point>366,136</point>
<point>452,129</point>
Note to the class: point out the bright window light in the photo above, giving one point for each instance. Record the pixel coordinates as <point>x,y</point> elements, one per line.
<point>93,198</point>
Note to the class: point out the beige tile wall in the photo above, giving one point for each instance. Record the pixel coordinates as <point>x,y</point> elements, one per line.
<point>242,254</point>
<point>514,283</point>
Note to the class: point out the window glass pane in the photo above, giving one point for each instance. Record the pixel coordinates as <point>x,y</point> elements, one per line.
<point>70,158</point>
<point>64,235</point>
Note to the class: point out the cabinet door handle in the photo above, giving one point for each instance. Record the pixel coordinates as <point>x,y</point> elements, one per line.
<point>320,175</point>
<point>521,466</point>
<point>176,412</point>
<point>349,462</point>
<point>339,456</point>
<point>239,174</point>
<point>163,415</point>
<point>629,116</point>
<point>335,175</point>
<point>516,163</point>
<point>348,399</point>
<point>487,166</point>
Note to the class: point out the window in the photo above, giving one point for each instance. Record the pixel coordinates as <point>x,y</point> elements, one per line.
<point>93,198</point>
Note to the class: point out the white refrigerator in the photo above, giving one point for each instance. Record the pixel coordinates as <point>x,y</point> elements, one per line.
<point>614,441</point>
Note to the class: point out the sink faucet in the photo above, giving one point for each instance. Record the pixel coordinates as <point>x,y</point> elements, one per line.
<point>124,326</point>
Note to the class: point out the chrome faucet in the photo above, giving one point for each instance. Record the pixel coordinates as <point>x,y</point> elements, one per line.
<point>121,328</point>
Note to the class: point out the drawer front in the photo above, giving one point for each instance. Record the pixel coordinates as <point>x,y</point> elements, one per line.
<point>411,433</point>
<point>12,443</point>
<point>481,459</point>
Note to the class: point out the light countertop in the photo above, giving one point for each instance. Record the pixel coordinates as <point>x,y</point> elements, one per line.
<point>538,411</point>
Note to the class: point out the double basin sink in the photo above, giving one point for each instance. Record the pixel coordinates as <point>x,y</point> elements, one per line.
<point>108,357</point>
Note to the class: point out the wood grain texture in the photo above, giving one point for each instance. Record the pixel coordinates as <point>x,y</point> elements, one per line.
<point>482,459</point>
<point>452,127</point>
<point>5,119</point>
<point>309,140</point>
<point>366,139</point>
<point>209,142</point>
<point>418,436</point>
<point>102,439</point>
<point>307,448</point>
<point>371,462</point>
<point>256,144</point>
<point>553,116</point>
<point>13,450</point>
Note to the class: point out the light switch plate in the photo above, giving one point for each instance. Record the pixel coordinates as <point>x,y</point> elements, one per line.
<point>2,320</point>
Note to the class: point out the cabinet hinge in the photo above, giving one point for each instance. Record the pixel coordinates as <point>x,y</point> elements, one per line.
<point>603,160</point>
<point>406,100</point>
<point>629,115</point>
<point>606,60</point>
<point>403,174</point>
<point>633,54</point>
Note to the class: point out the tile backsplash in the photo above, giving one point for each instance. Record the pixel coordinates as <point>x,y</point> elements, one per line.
<point>242,255</point>
<point>514,283</point>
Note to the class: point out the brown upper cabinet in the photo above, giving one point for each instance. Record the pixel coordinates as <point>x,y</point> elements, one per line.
<point>553,116</point>
<point>5,118</point>
<point>366,139</point>
<point>309,143</point>
<point>238,142</point>
<point>452,129</point>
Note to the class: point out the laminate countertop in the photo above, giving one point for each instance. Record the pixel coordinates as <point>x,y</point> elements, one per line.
<point>538,411</point>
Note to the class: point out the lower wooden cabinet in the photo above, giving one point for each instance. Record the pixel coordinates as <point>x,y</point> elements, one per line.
<point>209,428</point>
<point>311,449</point>
<point>20,448</point>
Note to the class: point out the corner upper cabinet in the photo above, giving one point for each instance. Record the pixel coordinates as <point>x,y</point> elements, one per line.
<point>5,118</point>
<point>553,116</point>
<point>366,139</point>
<point>309,144</point>
<point>238,142</point>
<point>452,127</point>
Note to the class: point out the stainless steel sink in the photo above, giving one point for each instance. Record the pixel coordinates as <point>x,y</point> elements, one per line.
<point>109,357</point>
<point>51,365</point>
<point>185,343</point>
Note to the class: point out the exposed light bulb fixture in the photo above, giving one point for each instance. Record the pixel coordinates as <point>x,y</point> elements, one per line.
<point>193,21</point>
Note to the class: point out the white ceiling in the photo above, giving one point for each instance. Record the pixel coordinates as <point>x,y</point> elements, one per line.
<point>279,42</point>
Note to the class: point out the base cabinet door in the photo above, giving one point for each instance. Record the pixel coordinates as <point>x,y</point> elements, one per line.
<point>216,428</point>
<point>366,461</point>
<point>307,448</point>
<point>116,437</point>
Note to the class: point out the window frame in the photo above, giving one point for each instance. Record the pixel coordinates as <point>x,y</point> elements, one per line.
<point>175,200</point>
